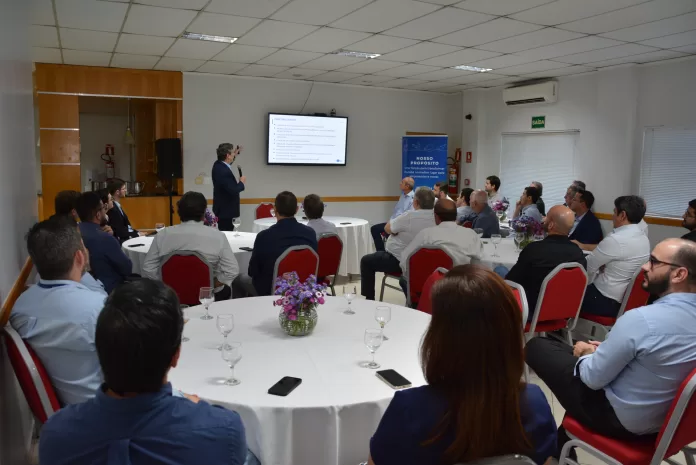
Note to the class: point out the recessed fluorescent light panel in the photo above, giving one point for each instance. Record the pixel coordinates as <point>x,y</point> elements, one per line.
<point>195,36</point>
<point>472,68</point>
<point>348,53</point>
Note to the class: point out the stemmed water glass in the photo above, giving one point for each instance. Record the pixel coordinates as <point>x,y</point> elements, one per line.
<point>383,316</point>
<point>186,320</point>
<point>495,239</point>
<point>500,214</point>
<point>236,223</point>
<point>206,297</point>
<point>225,324</point>
<point>232,354</point>
<point>349,295</point>
<point>373,340</point>
<point>273,212</point>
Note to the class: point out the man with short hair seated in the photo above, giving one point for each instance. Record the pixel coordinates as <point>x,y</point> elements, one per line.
<point>464,211</point>
<point>135,417</point>
<point>440,190</point>
<point>57,316</point>
<point>486,218</point>
<point>689,221</point>
<point>526,206</point>
<point>623,387</point>
<point>65,204</point>
<point>404,204</point>
<point>193,236</point>
<point>587,230</point>
<point>314,210</point>
<point>492,187</point>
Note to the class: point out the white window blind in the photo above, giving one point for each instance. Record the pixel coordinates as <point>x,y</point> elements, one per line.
<point>547,158</point>
<point>668,170</point>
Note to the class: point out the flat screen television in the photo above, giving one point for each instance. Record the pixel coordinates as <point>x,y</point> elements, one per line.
<point>307,140</point>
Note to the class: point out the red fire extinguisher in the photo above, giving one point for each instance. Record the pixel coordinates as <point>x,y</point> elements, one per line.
<point>454,172</point>
<point>108,157</point>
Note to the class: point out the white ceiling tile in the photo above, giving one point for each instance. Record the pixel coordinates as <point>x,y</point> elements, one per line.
<point>379,43</point>
<point>221,67</point>
<point>631,16</point>
<point>195,49</point>
<point>497,29</point>
<point>500,62</point>
<point>445,73</point>
<point>401,83</point>
<point>178,64</point>
<point>244,53</point>
<point>384,14</point>
<point>47,55</point>
<point>475,77</point>
<point>183,4</point>
<point>276,34</point>
<point>442,2</point>
<point>261,70</point>
<point>568,70</point>
<point>90,14</point>
<point>41,12</point>
<point>86,58</point>
<point>655,29</point>
<point>43,36</point>
<point>687,49</point>
<point>605,54</point>
<point>331,62</point>
<point>222,25</point>
<point>335,76</point>
<point>526,68</point>
<point>299,73</point>
<point>289,58</point>
<point>368,80</point>
<point>673,41</point>
<point>154,21</point>
<point>78,39</point>
<point>535,39</point>
<point>506,81</point>
<point>563,11</point>
<point>371,66</point>
<point>121,60</point>
<point>251,8</point>
<point>439,23</point>
<point>569,47</point>
<point>642,58</point>
<point>317,12</point>
<point>408,70</point>
<point>428,86</point>
<point>500,7</point>
<point>462,57</point>
<point>327,40</point>
<point>143,45</point>
<point>454,89</point>
<point>421,51</point>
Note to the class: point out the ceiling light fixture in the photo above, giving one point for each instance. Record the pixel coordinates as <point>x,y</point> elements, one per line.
<point>209,38</point>
<point>472,68</point>
<point>349,53</point>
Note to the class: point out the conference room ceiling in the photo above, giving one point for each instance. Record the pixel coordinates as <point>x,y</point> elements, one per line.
<point>419,41</point>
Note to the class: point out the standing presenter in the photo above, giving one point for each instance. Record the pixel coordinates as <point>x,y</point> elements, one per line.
<point>226,188</point>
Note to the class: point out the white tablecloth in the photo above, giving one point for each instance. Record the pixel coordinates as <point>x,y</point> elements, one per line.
<point>356,237</point>
<point>506,250</point>
<point>137,254</point>
<point>330,417</point>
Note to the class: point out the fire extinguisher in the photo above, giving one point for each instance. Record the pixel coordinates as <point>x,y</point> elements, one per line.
<point>108,157</point>
<point>454,173</point>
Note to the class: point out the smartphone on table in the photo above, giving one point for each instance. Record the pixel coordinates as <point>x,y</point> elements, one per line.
<point>393,379</point>
<point>285,386</point>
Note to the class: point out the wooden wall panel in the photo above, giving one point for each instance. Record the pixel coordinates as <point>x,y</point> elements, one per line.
<point>58,111</point>
<point>56,178</point>
<point>60,146</point>
<point>165,119</point>
<point>144,132</point>
<point>145,212</point>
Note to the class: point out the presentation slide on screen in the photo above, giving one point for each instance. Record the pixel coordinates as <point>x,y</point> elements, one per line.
<point>310,140</point>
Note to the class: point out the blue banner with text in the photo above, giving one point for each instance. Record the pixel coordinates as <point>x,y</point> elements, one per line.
<point>424,158</point>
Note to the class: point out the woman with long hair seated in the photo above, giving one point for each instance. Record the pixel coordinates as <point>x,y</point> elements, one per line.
<point>474,405</point>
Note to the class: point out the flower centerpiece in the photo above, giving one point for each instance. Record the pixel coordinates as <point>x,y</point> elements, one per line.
<point>500,208</point>
<point>525,229</point>
<point>298,302</point>
<point>210,219</point>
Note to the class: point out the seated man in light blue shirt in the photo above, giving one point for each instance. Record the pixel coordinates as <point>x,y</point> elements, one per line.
<point>624,386</point>
<point>526,206</point>
<point>58,316</point>
<point>404,204</point>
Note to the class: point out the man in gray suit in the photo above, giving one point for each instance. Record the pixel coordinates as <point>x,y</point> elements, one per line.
<point>486,218</point>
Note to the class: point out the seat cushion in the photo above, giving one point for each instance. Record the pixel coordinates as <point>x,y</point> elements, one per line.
<point>393,275</point>
<point>547,326</point>
<point>600,320</point>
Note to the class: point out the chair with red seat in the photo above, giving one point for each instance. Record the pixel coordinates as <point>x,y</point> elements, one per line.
<point>187,272</point>
<point>384,283</point>
<point>425,304</point>
<point>421,264</point>
<point>677,432</point>
<point>330,248</point>
<point>301,259</point>
<point>264,210</point>
<point>521,297</point>
<point>468,224</point>
<point>32,376</point>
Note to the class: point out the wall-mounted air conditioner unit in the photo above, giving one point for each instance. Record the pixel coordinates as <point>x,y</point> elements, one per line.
<point>545,92</point>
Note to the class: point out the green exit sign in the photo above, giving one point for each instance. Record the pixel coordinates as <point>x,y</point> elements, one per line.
<point>538,122</point>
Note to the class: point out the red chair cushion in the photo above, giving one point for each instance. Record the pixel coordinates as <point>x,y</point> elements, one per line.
<point>421,265</point>
<point>547,326</point>
<point>601,320</point>
<point>330,249</point>
<point>264,211</point>
<point>303,262</point>
<point>186,274</point>
<point>425,303</point>
<point>468,224</point>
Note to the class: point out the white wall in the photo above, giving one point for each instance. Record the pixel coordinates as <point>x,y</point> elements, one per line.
<point>95,132</point>
<point>17,202</point>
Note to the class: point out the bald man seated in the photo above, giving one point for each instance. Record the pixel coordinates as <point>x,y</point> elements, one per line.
<point>538,259</point>
<point>485,216</point>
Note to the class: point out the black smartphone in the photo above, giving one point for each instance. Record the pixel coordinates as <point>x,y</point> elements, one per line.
<point>285,386</point>
<point>136,245</point>
<point>345,223</point>
<point>393,379</point>
<point>248,249</point>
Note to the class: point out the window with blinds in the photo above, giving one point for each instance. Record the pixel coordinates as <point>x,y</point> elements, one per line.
<point>545,157</point>
<point>668,170</point>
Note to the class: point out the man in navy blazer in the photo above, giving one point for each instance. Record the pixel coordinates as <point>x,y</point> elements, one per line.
<point>226,188</point>
<point>587,230</point>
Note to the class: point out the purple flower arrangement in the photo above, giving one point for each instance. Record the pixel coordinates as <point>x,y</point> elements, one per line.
<point>210,219</point>
<point>298,301</point>
<point>501,205</point>
<point>528,226</point>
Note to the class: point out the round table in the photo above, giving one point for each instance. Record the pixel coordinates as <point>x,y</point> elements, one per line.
<point>330,417</point>
<point>507,252</point>
<point>137,254</point>
<point>356,237</point>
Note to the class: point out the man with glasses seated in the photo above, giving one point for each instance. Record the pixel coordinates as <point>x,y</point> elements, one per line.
<point>690,221</point>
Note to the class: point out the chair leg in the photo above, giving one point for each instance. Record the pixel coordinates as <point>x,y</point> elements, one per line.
<point>333,291</point>
<point>569,337</point>
<point>565,455</point>
<point>381,293</point>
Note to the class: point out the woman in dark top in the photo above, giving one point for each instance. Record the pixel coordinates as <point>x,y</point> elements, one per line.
<point>474,405</point>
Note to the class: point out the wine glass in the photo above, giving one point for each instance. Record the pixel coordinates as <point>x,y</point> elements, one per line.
<point>479,232</point>
<point>273,212</point>
<point>383,316</point>
<point>236,223</point>
<point>500,214</point>
<point>232,354</point>
<point>373,340</point>
<point>159,226</point>
<point>495,239</point>
<point>518,240</point>
<point>225,324</point>
<point>349,295</point>
<point>206,297</point>
<point>186,320</point>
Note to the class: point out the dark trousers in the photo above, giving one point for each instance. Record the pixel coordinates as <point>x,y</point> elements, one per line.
<point>596,303</point>
<point>243,286</point>
<point>554,362</point>
<point>377,231</point>
<point>369,265</point>
<point>224,294</point>
<point>225,224</point>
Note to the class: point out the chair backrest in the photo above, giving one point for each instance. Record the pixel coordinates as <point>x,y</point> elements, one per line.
<point>512,459</point>
<point>330,248</point>
<point>521,297</point>
<point>468,224</point>
<point>187,272</point>
<point>425,303</point>
<point>301,259</point>
<point>421,264</point>
<point>635,295</point>
<point>264,210</point>
<point>679,428</point>
<point>32,376</point>
<point>561,294</point>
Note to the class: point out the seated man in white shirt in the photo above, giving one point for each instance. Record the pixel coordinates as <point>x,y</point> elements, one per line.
<point>492,187</point>
<point>404,204</point>
<point>612,264</point>
<point>314,210</point>
<point>526,206</point>
<point>440,190</point>
<point>193,236</point>
<point>402,230</point>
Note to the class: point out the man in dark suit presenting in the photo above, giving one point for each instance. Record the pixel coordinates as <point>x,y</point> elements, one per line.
<point>226,188</point>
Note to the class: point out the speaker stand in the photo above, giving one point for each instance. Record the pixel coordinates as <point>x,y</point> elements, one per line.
<point>171,202</point>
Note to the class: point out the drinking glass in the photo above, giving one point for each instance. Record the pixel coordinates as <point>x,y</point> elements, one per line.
<point>500,214</point>
<point>383,316</point>
<point>236,223</point>
<point>479,232</point>
<point>273,212</point>
<point>373,340</point>
<point>159,226</point>
<point>518,240</point>
<point>225,324</point>
<point>495,239</point>
<point>186,320</point>
<point>349,295</point>
<point>206,297</point>
<point>232,354</point>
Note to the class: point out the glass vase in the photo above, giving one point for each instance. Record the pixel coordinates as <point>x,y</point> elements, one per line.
<point>302,326</point>
<point>522,240</point>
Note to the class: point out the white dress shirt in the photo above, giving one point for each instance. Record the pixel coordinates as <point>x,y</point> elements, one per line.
<point>621,254</point>
<point>193,236</point>
<point>462,244</point>
<point>493,199</point>
<point>643,227</point>
<point>321,226</point>
<point>118,205</point>
<point>405,227</point>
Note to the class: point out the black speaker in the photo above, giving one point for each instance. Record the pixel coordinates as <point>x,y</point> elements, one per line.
<point>169,158</point>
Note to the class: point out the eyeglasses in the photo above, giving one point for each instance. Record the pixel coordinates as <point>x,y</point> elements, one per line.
<point>654,261</point>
